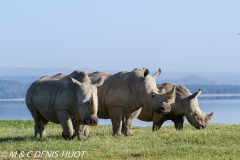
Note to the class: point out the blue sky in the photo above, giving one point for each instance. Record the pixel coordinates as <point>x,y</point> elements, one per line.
<point>187,36</point>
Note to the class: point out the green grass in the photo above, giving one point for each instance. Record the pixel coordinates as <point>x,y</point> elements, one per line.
<point>217,141</point>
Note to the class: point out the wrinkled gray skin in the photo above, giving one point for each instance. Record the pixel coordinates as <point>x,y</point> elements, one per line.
<point>62,99</point>
<point>185,105</point>
<point>124,93</point>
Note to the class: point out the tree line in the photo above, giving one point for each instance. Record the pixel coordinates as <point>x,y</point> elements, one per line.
<point>12,89</point>
<point>214,89</point>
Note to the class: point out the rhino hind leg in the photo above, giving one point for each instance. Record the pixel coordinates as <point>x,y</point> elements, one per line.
<point>129,121</point>
<point>122,126</point>
<point>40,125</point>
<point>178,122</point>
<point>39,120</point>
<point>115,114</point>
<point>157,126</point>
<point>128,128</point>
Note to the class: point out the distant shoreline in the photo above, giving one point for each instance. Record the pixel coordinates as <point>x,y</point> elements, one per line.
<point>228,95</point>
<point>13,99</point>
<point>221,95</point>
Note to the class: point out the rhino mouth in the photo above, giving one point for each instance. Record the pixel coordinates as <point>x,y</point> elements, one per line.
<point>200,127</point>
<point>91,121</point>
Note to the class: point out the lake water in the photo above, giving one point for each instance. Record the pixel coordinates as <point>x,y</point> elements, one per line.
<point>225,111</point>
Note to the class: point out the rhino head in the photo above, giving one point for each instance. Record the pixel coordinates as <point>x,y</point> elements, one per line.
<point>87,100</point>
<point>154,99</point>
<point>193,113</point>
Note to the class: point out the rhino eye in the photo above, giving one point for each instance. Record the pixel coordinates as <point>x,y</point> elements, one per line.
<point>88,102</point>
<point>196,113</point>
<point>153,95</point>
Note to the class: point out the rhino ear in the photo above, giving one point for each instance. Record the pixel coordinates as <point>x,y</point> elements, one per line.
<point>73,81</point>
<point>145,72</point>
<point>101,81</point>
<point>195,94</point>
<point>157,73</point>
<point>162,90</point>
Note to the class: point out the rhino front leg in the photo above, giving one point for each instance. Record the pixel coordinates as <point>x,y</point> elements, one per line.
<point>66,122</point>
<point>80,130</point>
<point>158,120</point>
<point>115,114</point>
<point>86,131</point>
<point>128,127</point>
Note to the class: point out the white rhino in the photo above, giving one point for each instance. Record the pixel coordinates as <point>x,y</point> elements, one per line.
<point>62,99</point>
<point>186,104</point>
<point>124,93</point>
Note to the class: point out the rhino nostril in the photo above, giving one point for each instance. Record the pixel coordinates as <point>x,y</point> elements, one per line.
<point>162,109</point>
<point>201,126</point>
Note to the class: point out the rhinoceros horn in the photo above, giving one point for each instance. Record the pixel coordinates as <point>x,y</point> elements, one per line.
<point>93,105</point>
<point>195,94</point>
<point>91,100</point>
<point>171,94</point>
<point>157,73</point>
<point>209,116</point>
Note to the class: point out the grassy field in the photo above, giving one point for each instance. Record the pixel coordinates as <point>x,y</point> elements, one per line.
<point>217,141</point>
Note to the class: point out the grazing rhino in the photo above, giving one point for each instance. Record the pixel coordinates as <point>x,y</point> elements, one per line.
<point>124,93</point>
<point>62,99</point>
<point>185,105</point>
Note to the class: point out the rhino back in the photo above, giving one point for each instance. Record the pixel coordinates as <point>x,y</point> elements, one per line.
<point>102,91</point>
<point>181,91</point>
<point>96,76</point>
<point>119,89</point>
<point>48,94</point>
<point>80,76</point>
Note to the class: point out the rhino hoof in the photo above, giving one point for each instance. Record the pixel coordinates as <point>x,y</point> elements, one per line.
<point>129,134</point>
<point>68,138</point>
<point>82,138</point>
<point>87,135</point>
<point>117,135</point>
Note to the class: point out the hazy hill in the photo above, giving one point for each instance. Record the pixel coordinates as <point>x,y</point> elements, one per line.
<point>214,89</point>
<point>21,79</point>
<point>220,78</point>
<point>192,79</point>
<point>18,88</point>
<point>26,75</point>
